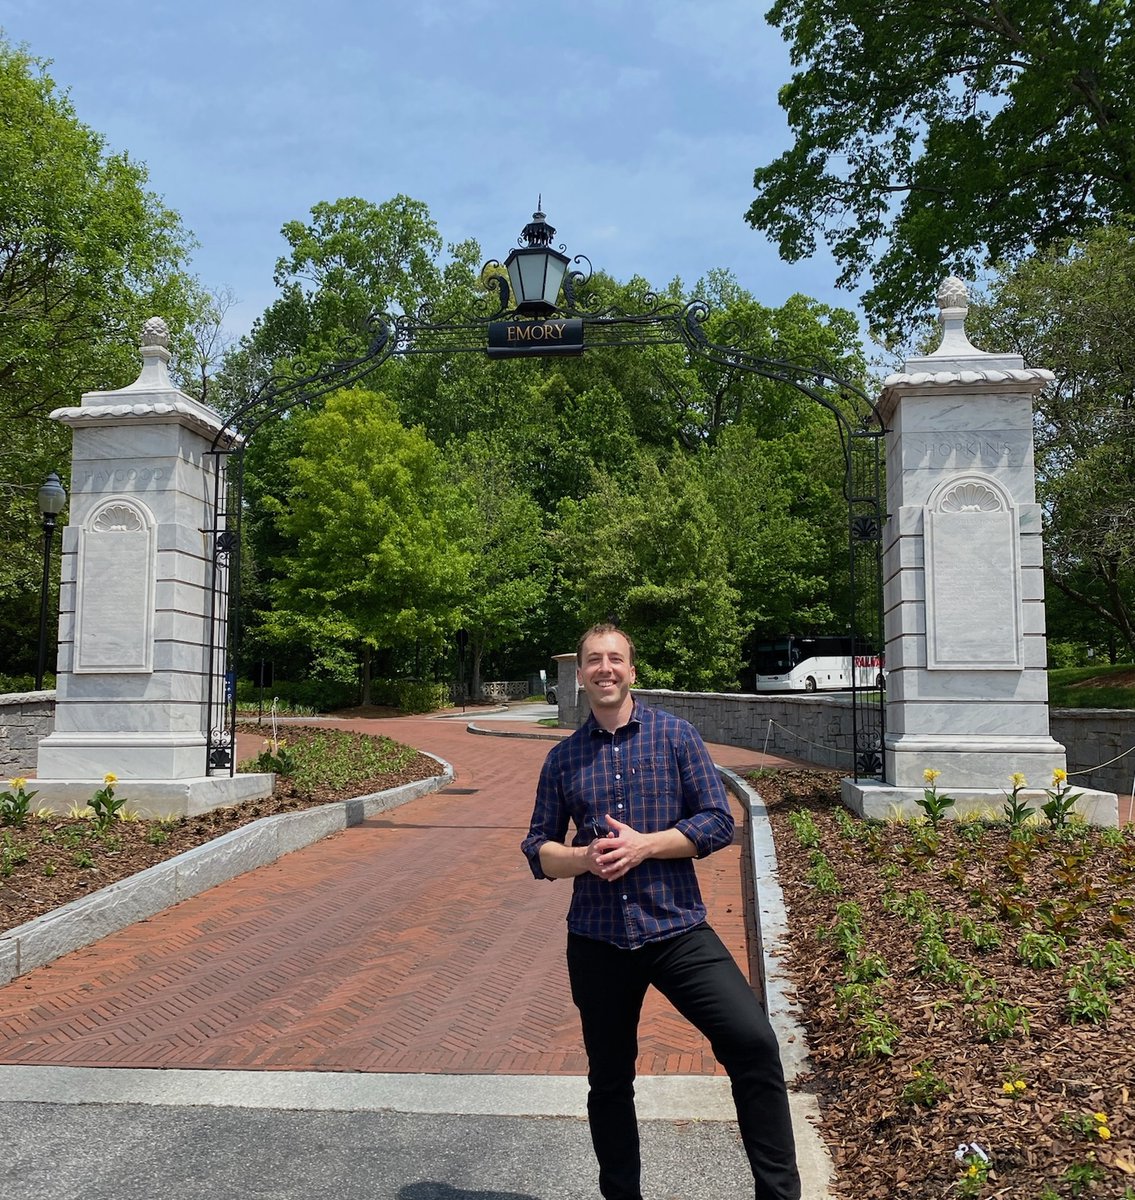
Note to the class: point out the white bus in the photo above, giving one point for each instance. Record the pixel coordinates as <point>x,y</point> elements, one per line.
<point>815,664</point>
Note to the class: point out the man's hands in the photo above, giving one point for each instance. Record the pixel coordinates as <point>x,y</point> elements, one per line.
<point>611,857</point>
<point>622,849</point>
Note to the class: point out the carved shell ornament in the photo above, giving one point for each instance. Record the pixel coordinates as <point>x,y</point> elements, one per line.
<point>118,518</point>
<point>971,497</point>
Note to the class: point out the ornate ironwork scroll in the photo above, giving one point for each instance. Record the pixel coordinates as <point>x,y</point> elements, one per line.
<point>654,321</point>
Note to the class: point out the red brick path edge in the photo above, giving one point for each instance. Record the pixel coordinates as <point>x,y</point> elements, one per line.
<point>417,941</point>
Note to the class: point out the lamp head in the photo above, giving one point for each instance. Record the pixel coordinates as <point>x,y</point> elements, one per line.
<point>52,496</point>
<point>536,271</point>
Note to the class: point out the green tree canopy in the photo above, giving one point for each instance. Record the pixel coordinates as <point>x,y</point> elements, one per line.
<point>349,260</point>
<point>1069,310</point>
<point>786,548</point>
<point>945,135</point>
<point>501,529</point>
<point>371,561</point>
<point>616,448</point>
<point>650,551</point>
<point>87,253</point>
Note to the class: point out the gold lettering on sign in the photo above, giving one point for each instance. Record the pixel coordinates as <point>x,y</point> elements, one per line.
<point>549,331</point>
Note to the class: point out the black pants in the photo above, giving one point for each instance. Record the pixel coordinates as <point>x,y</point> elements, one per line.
<point>697,974</point>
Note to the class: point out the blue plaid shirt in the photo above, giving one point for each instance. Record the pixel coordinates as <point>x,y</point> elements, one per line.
<point>653,773</point>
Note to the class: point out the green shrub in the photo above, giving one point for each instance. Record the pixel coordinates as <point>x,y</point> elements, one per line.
<point>14,684</point>
<point>419,697</point>
<point>315,695</point>
<point>329,695</point>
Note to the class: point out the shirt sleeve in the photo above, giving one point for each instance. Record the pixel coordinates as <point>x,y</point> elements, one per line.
<point>549,816</point>
<point>710,823</point>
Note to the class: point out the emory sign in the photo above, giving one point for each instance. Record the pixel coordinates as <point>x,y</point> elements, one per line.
<point>531,339</point>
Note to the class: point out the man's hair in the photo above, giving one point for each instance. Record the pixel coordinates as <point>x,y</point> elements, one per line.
<point>597,631</point>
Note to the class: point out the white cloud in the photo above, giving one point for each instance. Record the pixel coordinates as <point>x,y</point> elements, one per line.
<point>640,124</point>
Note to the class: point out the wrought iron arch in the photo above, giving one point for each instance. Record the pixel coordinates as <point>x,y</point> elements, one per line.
<point>658,322</point>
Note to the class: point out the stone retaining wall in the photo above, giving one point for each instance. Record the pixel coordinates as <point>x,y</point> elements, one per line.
<point>817,730</point>
<point>814,728</point>
<point>25,717</point>
<point>1095,736</point>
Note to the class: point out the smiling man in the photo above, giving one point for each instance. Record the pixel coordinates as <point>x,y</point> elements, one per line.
<point>641,791</point>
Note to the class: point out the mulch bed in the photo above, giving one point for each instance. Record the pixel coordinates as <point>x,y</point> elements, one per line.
<point>946,1023</point>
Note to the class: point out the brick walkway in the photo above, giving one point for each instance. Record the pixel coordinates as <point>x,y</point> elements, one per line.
<point>415,942</point>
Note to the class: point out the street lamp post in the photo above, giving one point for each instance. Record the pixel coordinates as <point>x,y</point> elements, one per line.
<point>52,500</point>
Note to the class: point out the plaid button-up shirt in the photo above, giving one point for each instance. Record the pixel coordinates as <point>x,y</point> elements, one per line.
<point>653,773</point>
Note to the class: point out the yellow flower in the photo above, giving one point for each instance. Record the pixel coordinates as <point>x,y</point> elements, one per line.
<point>1059,776</point>
<point>1103,1133</point>
<point>1019,1085</point>
<point>1019,781</point>
<point>929,775</point>
<point>108,778</point>
<point>1007,1087</point>
<point>18,782</point>
<point>1101,1117</point>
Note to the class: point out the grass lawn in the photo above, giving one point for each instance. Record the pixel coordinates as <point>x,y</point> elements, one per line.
<point>1092,687</point>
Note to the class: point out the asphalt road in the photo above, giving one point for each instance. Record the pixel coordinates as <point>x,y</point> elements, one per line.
<point>144,1152</point>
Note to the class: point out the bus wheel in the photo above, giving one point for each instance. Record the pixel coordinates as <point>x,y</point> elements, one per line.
<point>809,684</point>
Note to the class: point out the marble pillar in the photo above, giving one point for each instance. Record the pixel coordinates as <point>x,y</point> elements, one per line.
<point>134,598</point>
<point>967,685</point>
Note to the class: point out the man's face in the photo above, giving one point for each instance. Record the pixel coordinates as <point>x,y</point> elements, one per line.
<point>606,673</point>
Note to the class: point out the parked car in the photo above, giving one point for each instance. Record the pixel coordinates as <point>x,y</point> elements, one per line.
<point>550,694</point>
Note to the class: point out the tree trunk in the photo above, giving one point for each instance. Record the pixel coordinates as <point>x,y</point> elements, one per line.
<point>478,650</point>
<point>366,674</point>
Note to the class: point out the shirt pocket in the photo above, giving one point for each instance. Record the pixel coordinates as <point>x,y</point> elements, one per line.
<point>652,778</point>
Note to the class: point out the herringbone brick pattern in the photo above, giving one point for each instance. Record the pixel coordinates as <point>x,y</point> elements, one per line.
<point>415,942</point>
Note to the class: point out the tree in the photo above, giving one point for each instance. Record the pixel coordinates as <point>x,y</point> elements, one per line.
<point>87,253</point>
<point>502,532</point>
<point>1069,310</point>
<point>650,551</point>
<point>350,260</point>
<point>942,135</point>
<point>787,544</point>
<point>208,344</point>
<point>371,563</point>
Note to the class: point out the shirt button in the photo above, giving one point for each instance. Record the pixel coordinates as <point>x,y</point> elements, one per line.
<point>624,896</point>
<point>617,775</point>
<point>618,806</point>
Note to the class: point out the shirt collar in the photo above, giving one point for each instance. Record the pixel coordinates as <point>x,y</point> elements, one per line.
<point>637,710</point>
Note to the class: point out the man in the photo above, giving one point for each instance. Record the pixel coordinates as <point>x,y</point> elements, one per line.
<point>639,786</point>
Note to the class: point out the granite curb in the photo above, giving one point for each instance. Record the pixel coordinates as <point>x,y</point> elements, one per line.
<point>114,907</point>
<point>515,733</point>
<point>771,919</point>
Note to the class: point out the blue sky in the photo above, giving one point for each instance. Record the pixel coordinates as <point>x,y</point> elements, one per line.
<point>639,121</point>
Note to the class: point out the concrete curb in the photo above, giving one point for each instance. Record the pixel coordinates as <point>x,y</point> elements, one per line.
<point>517,733</point>
<point>812,1154</point>
<point>86,920</point>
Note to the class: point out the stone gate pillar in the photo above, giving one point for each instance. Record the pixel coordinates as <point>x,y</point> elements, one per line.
<point>134,598</point>
<point>967,684</point>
